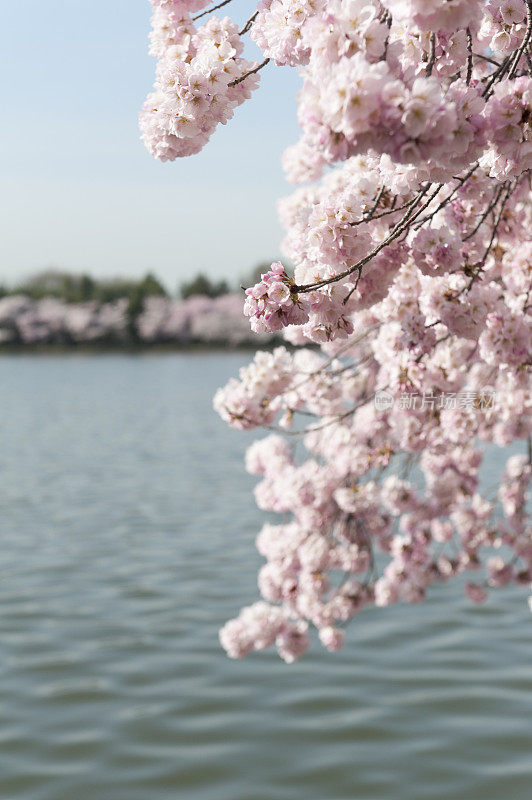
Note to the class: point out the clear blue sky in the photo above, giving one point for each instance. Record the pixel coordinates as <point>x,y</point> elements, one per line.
<point>78,189</point>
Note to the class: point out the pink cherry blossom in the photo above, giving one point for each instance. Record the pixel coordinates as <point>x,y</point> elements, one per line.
<point>409,309</point>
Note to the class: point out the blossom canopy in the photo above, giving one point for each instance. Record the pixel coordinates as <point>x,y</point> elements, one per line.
<point>411,239</point>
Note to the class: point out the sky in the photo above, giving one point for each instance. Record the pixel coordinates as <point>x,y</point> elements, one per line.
<point>79,192</point>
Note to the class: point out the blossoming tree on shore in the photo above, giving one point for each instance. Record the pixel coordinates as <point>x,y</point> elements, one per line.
<point>411,237</point>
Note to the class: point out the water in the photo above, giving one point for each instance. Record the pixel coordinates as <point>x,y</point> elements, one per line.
<point>127,527</point>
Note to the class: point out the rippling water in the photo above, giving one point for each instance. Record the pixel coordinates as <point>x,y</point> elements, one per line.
<point>127,528</point>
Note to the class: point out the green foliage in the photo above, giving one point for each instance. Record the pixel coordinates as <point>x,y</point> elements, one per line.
<point>82,288</point>
<point>148,287</point>
<point>203,285</point>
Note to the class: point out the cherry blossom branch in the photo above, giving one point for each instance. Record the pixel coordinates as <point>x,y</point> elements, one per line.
<point>526,39</point>
<point>479,267</point>
<point>497,76</point>
<point>375,204</point>
<point>247,74</point>
<point>351,343</point>
<point>469,56</point>
<point>528,59</point>
<point>332,420</point>
<point>249,23</point>
<point>486,213</point>
<point>400,228</point>
<point>397,139</point>
<point>460,182</point>
<point>490,60</point>
<point>432,56</point>
<point>394,210</point>
<point>210,10</point>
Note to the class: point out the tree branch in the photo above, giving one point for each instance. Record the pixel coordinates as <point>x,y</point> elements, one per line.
<point>249,23</point>
<point>210,10</point>
<point>247,74</point>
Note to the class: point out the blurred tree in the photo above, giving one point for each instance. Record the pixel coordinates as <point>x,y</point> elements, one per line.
<point>48,283</point>
<point>86,288</point>
<point>83,288</point>
<point>203,285</point>
<point>149,286</point>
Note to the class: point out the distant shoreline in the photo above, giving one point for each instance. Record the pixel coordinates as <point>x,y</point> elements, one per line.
<point>199,322</point>
<point>100,348</point>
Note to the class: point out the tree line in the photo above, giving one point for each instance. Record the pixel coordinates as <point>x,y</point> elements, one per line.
<point>82,288</point>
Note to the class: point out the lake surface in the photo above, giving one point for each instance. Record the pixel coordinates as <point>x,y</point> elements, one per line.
<point>127,539</point>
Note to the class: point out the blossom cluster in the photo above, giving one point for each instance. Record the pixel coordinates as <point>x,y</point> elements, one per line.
<point>270,303</point>
<point>201,78</point>
<point>410,238</point>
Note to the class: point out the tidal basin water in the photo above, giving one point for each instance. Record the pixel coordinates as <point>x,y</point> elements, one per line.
<point>127,539</point>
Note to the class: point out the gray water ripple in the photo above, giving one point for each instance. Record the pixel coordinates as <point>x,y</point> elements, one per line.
<point>127,529</point>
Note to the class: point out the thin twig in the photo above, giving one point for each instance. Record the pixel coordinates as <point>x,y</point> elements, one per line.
<point>469,56</point>
<point>488,59</point>
<point>400,228</point>
<point>526,38</point>
<point>355,287</point>
<point>432,56</point>
<point>484,216</point>
<point>334,418</point>
<point>528,61</point>
<point>497,75</point>
<point>481,263</point>
<point>392,210</point>
<point>375,204</point>
<point>447,199</point>
<point>210,10</point>
<point>247,74</point>
<point>249,23</point>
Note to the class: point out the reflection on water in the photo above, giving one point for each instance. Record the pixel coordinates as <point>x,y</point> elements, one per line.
<point>127,527</point>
